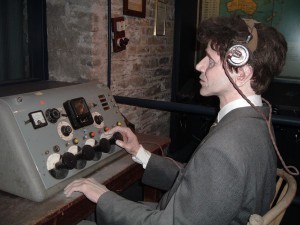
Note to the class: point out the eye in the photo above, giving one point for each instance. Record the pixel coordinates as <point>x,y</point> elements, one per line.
<point>211,63</point>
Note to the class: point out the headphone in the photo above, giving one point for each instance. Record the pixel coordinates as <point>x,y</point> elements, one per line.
<point>238,54</point>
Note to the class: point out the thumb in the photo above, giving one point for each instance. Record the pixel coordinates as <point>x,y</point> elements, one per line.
<point>120,143</point>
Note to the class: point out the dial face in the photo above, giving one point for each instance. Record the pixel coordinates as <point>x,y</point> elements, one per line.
<point>90,142</point>
<point>52,160</point>
<point>37,119</point>
<point>73,149</point>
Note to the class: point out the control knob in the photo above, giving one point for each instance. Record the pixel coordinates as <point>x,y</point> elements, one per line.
<point>52,115</point>
<point>122,42</point>
<point>116,136</point>
<point>98,119</point>
<point>85,154</point>
<point>66,162</point>
<point>66,130</point>
<point>103,146</point>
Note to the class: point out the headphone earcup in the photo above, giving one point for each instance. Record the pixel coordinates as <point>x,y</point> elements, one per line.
<point>237,55</point>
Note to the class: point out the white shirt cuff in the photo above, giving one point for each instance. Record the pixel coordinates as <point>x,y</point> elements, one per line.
<point>142,156</point>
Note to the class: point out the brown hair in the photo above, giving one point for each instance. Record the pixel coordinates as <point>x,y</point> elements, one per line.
<point>267,60</point>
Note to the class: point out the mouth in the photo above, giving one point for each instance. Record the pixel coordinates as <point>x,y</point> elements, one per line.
<point>201,80</point>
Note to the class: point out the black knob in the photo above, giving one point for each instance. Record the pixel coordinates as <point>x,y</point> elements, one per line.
<point>52,115</point>
<point>87,152</point>
<point>66,130</point>
<point>67,161</point>
<point>98,119</point>
<point>103,146</point>
<point>116,136</point>
<point>123,42</point>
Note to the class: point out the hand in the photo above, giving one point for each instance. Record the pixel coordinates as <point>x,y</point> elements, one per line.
<point>89,187</point>
<point>130,142</point>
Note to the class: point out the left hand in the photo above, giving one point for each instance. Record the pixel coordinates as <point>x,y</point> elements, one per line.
<point>89,187</point>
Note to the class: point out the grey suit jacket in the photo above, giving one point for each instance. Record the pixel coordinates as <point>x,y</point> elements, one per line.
<point>230,176</point>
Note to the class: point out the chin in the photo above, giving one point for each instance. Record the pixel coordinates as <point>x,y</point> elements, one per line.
<point>204,93</point>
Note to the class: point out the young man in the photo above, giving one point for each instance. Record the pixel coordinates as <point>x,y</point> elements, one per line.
<point>232,173</point>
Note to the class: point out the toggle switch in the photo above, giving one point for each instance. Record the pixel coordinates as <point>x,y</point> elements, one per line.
<point>118,29</point>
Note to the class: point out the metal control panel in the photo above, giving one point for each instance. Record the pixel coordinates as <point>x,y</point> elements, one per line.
<point>53,136</point>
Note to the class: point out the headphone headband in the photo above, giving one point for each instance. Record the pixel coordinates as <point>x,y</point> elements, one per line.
<point>238,54</point>
<point>253,39</point>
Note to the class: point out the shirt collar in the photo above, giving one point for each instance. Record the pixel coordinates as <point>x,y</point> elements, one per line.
<point>239,103</point>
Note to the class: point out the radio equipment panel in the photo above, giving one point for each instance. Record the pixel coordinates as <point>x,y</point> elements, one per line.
<point>53,136</point>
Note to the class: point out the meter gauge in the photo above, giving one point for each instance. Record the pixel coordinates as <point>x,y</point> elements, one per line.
<point>37,119</point>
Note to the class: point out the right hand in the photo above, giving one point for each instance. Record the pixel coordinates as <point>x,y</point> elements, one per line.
<point>130,142</point>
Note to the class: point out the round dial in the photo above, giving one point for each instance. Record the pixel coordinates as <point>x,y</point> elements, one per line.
<point>52,115</point>
<point>52,160</point>
<point>73,149</point>
<point>90,142</point>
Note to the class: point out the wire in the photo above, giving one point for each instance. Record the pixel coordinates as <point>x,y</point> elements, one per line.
<point>267,120</point>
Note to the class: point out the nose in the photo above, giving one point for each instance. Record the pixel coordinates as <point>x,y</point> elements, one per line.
<point>201,66</point>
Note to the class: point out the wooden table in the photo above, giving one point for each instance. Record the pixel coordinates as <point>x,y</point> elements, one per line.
<point>117,176</point>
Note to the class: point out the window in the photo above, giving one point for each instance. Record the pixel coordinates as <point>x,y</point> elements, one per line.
<point>23,43</point>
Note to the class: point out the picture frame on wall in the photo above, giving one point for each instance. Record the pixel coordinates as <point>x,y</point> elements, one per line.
<point>135,8</point>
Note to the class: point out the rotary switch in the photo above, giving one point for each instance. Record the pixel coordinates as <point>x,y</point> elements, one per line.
<point>116,136</point>
<point>86,153</point>
<point>98,119</point>
<point>122,42</point>
<point>66,130</point>
<point>52,115</point>
<point>105,144</point>
<point>61,164</point>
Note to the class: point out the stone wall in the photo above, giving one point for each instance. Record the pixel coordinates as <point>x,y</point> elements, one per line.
<point>77,51</point>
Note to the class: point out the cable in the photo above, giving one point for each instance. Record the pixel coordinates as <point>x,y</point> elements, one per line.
<point>267,120</point>
<point>109,43</point>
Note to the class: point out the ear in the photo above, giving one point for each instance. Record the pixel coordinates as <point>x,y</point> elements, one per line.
<point>244,75</point>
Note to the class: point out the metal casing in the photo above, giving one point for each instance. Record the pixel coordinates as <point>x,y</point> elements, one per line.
<point>25,150</point>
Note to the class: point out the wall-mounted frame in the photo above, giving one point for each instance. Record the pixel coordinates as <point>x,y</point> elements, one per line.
<point>134,8</point>
<point>160,17</point>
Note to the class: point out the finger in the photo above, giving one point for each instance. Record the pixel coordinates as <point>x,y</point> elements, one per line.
<point>75,186</point>
<point>92,180</point>
<point>75,182</point>
<point>115,129</point>
<point>120,143</point>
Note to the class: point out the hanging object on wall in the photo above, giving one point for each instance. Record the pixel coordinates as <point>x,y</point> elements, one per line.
<point>118,34</point>
<point>134,8</point>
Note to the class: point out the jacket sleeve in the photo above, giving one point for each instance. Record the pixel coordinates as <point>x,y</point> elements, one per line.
<point>161,172</point>
<point>191,203</point>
